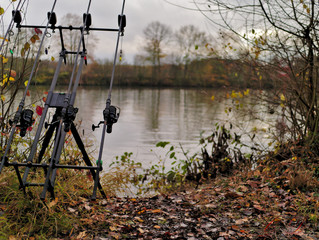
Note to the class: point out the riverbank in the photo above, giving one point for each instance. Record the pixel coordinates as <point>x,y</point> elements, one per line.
<point>246,205</point>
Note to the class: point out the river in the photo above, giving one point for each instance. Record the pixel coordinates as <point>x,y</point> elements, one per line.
<point>178,116</point>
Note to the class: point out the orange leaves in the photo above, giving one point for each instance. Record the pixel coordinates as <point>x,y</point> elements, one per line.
<point>26,46</point>
<point>13,73</point>
<point>34,38</point>
<point>7,40</point>
<point>156,211</point>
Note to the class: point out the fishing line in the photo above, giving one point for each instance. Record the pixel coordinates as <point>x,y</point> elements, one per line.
<point>38,54</point>
<point>14,15</point>
<point>64,115</point>
<point>110,115</point>
<point>66,110</point>
<point>116,50</point>
<point>27,113</point>
<point>78,51</point>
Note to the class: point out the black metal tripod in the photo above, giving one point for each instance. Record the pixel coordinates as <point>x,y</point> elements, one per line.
<point>65,114</point>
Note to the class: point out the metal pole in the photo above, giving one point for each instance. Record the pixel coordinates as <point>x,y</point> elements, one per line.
<point>11,24</point>
<point>21,105</point>
<point>59,142</point>
<point>108,103</point>
<point>42,119</point>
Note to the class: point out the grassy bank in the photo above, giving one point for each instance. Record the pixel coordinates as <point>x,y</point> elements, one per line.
<point>246,204</point>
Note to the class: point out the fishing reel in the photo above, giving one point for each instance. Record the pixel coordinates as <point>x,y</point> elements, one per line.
<point>111,115</point>
<point>26,121</point>
<point>69,117</point>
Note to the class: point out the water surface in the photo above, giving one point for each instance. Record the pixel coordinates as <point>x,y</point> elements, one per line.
<point>151,115</point>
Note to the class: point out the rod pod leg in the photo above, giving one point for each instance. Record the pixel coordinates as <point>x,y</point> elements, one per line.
<point>87,161</point>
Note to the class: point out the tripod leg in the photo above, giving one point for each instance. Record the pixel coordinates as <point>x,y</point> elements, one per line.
<point>16,168</point>
<point>4,160</point>
<point>48,185</point>
<point>47,139</point>
<point>87,161</point>
<point>57,159</point>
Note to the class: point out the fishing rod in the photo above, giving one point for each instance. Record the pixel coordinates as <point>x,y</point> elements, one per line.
<point>110,113</point>
<point>65,114</point>
<point>24,116</point>
<point>68,113</point>
<point>16,17</point>
<point>62,119</point>
<point>60,135</point>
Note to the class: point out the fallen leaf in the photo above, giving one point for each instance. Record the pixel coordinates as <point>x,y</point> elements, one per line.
<point>81,235</point>
<point>241,221</point>
<point>139,219</point>
<point>156,211</point>
<point>54,202</point>
<point>72,210</point>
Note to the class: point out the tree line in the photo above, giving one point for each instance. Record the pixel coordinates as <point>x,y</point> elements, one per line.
<point>187,57</point>
<point>209,72</point>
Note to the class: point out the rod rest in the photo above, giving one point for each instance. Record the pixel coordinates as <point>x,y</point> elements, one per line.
<point>56,100</point>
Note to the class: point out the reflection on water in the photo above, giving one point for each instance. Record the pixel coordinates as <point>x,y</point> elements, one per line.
<point>152,115</point>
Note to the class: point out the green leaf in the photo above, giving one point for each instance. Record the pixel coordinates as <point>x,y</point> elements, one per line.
<point>162,144</point>
<point>172,155</point>
<point>196,47</point>
<point>1,11</point>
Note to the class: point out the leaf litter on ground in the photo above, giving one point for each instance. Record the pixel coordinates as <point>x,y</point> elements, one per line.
<point>232,207</point>
<point>228,208</point>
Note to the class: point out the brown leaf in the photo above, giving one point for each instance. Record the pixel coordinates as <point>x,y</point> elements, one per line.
<point>258,207</point>
<point>232,195</point>
<point>72,210</point>
<point>54,202</point>
<point>112,228</point>
<point>235,227</point>
<point>241,221</point>
<point>26,46</point>
<point>156,211</point>
<point>139,219</point>
<point>81,235</point>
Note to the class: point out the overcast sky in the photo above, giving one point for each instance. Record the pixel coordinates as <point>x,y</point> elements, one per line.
<point>139,14</point>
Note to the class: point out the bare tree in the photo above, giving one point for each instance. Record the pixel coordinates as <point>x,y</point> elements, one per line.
<point>191,44</point>
<point>156,35</point>
<point>282,35</point>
